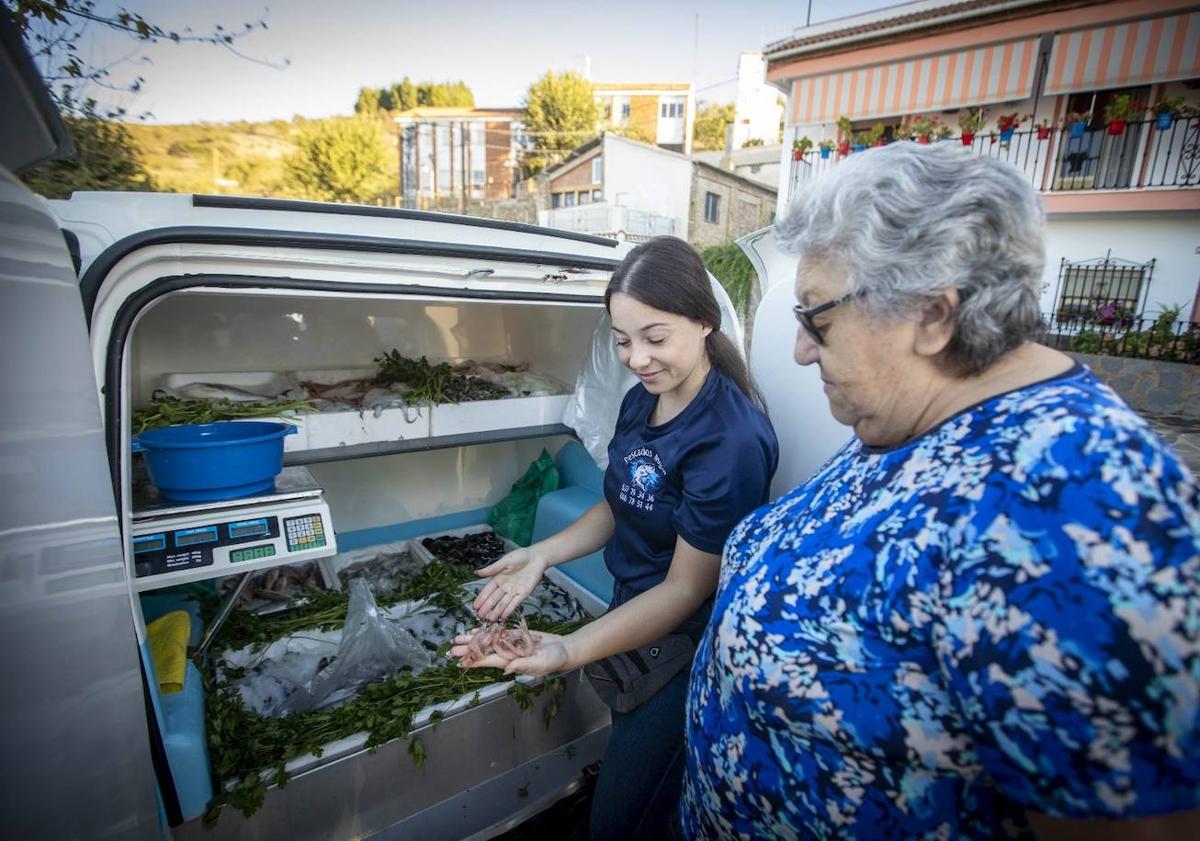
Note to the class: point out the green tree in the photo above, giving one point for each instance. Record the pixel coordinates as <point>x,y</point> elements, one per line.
<point>729,264</point>
<point>338,160</point>
<point>711,124</point>
<point>445,95</point>
<point>404,97</point>
<point>560,114</point>
<point>368,102</point>
<point>54,29</point>
<point>106,158</point>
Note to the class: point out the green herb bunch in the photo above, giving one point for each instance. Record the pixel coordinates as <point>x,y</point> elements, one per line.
<point>428,383</point>
<point>170,411</point>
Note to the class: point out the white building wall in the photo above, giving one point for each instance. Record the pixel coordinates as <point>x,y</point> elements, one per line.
<point>1172,241</point>
<point>757,106</point>
<point>648,179</point>
<point>671,128</point>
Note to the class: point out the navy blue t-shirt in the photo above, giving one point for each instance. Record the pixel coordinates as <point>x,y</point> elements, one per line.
<point>694,476</point>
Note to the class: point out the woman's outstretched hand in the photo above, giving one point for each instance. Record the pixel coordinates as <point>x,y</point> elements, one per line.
<point>549,655</point>
<point>513,578</point>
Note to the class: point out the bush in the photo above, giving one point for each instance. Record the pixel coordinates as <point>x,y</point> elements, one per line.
<point>106,158</point>
<point>735,272</point>
<point>338,160</point>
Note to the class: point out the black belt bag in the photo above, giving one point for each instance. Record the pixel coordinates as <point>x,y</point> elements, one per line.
<point>625,680</point>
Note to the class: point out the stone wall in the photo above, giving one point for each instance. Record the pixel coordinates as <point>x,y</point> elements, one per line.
<point>744,206</point>
<point>1147,385</point>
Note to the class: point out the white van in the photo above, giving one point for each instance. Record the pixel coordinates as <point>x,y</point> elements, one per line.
<point>107,299</point>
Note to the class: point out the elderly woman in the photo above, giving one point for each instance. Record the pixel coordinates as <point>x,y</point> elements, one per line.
<point>981,617</point>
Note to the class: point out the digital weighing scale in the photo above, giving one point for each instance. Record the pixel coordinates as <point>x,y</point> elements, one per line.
<point>176,543</point>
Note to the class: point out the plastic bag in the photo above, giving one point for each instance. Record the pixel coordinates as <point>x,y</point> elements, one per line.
<point>512,517</point>
<point>599,389</point>
<point>373,646</point>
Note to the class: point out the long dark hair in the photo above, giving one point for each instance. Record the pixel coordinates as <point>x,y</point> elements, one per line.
<point>666,273</point>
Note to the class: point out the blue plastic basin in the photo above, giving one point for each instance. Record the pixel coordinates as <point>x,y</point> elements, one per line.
<point>202,462</point>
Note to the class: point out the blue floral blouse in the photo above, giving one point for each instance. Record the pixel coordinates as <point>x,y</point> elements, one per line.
<point>928,640</point>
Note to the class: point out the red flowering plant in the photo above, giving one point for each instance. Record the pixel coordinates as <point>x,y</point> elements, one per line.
<point>1010,122</point>
<point>1113,314</point>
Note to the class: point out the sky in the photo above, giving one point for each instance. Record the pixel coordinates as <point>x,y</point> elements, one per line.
<point>498,49</point>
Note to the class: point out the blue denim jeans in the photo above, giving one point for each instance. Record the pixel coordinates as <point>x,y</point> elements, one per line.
<point>641,777</point>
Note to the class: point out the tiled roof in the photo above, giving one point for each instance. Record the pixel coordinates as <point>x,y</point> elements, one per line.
<point>872,25</point>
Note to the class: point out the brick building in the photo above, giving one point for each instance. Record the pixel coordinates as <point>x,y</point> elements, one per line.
<point>663,112</point>
<point>458,153</point>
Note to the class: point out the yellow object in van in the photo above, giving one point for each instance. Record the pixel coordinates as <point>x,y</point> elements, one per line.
<point>168,636</point>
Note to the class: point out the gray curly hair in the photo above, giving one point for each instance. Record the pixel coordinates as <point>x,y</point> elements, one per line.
<point>907,222</point>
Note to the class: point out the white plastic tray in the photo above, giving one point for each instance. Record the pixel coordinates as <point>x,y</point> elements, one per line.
<point>486,415</point>
<point>323,430</point>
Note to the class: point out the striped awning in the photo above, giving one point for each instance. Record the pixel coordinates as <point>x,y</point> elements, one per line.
<point>1125,54</point>
<point>997,73</point>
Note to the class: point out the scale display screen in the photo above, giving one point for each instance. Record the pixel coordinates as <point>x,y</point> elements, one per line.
<point>149,543</point>
<point>252,553</point>
<point>249,528</point>
<point>188,537</point>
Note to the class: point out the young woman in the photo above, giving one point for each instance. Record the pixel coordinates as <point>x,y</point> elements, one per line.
<point>692,454</point>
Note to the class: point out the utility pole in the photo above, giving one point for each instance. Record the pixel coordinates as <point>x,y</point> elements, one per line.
<point>464,139</point>
<point>433,143</point>
<point>696,46</point>
<point>400,156</point>
<point>417,165</point>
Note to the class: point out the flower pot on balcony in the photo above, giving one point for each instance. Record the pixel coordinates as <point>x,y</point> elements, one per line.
<point>924,138</point>
<point>968,137</point>
<point>1043,132</point>
<point>1164,121</point>
<point>860,147</point>
<point>825,151</point>
<point>1116,127</point>
<point>879,142</point>
<point>843,148</point>
<point>1006,134</point>
<point>797,155</point>
<point>1077,129</point>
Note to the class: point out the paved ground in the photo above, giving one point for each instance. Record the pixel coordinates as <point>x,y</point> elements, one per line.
<point>1181,433</point>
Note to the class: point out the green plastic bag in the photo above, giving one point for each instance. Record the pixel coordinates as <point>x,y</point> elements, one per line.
<point>513,516</point>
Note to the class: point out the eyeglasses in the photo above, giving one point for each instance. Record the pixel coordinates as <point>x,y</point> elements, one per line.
<point>805,316</point>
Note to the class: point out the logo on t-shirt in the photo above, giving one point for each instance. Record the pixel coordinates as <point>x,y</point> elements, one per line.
<point>646,475</point>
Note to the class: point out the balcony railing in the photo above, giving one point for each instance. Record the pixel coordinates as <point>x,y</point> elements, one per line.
<point>1138,338</point>
<point>608,220</point>
<point>1143,155</point>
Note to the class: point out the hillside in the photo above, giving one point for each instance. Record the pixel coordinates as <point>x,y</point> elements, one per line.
<point>232,158</point>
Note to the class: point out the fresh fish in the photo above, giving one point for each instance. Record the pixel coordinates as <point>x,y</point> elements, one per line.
<point>215,391</point>
<point>378,399</point>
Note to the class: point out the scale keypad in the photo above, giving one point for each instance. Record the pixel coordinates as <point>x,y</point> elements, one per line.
<point>307,532</point>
